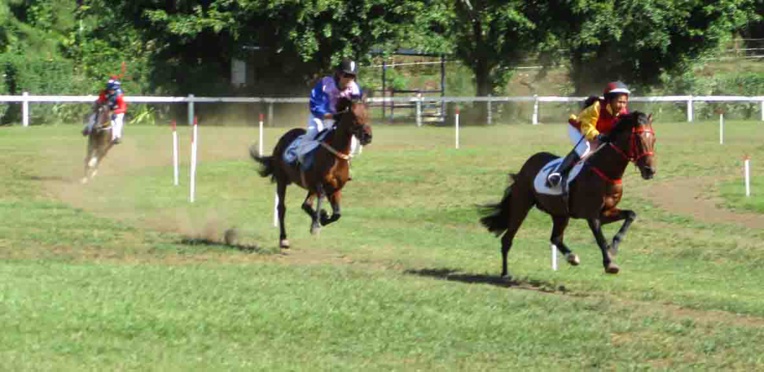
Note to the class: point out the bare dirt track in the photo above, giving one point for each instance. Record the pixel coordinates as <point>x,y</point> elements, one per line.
<point>694,197</point>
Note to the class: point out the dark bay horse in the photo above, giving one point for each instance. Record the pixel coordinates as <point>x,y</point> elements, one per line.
<point>593,195</point>
<point>99,142</point>
<point>329,172</point>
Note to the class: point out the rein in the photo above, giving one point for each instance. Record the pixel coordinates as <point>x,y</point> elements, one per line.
<point>335,152</point>
<point>632,156</point>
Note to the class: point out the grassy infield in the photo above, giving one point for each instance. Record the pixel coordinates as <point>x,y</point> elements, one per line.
<point>99,277</point>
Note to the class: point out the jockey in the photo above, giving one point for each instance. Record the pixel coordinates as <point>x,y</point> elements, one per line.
<point>323,101</point>
<point>114,97</point>
<point>592,124</point>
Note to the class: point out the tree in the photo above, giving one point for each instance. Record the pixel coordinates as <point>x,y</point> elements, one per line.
<point>640,41</point>
<point>492,37</point>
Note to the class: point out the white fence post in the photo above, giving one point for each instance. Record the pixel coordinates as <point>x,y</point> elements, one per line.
<point>554,257</point>
<point>25,109</point>
<point>689,110</point>
<point>490,114</point>
<point>270,113</point>
<point>194,148</point>
<point>747,171</point>
<point>419,109</point>
<point>174,154</point>
<point>276,209</point>
<point>456,120</point>
<point>721,128</point>
<point>535,119</point>
<point>190,109</point>
<point>260,142</point>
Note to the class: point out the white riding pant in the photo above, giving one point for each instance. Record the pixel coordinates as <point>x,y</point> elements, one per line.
<point>316,125</point>
<point>582,146</point>
<point>116,126</point>
<point>308,142</point>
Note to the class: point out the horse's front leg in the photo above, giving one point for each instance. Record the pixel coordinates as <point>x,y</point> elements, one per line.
<point>596,226</point>
<point>334,200</point>
<point>88,156</point>
<point>613,215</point>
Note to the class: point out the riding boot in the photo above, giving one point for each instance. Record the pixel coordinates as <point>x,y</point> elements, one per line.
<point>560,176</point>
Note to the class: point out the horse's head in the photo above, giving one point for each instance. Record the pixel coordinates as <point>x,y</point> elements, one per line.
<point>354,116</point>
<point>634,137</point>
<point>103,115</point>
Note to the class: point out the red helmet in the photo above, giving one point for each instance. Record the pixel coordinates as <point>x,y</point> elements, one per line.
<point>616,87</point>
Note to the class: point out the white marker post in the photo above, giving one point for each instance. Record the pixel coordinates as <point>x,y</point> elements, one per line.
<point>260,149</point>
<point>554,257</point>
<point>174,153</point>
<point>194,145</point>
<point>721,128</point>
<point>456,119</point>
<point>275,210</point>
<point>747,166</point>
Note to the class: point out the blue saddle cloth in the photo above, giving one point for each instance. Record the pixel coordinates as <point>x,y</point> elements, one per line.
<point>292,155</point>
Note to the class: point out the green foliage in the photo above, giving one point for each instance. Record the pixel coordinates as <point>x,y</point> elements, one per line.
<point>637,41</point>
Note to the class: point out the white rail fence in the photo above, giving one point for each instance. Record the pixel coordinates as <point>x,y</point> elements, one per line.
<point>25,99</point>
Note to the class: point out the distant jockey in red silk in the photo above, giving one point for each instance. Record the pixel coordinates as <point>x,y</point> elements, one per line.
<point>591,127</point>
<point>114,97</point>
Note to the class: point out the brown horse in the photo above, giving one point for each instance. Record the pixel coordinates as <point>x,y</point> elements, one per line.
<point>99,142</point>
<point>593,195</point>
<point>330,169</point>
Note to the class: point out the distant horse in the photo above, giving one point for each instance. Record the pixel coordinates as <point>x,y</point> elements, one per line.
<point>99,142</point>
<point>329,171</point>
<point>593,194</point>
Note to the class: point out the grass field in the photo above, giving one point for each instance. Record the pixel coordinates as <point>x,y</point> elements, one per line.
<point>124,274</point>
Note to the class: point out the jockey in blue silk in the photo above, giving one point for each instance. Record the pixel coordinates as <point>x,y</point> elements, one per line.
<point>323,102</point>
<point>112,95</point>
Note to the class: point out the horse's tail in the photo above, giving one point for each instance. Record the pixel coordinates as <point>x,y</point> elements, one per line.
<point>266,163</point>
<point>496,216</point>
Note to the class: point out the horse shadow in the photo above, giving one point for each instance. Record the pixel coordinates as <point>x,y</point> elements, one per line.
<point>516,283</point>
<point>248,248</point>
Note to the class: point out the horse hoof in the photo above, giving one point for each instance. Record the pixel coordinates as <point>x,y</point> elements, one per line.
<point>612,269</point>
<point>573,259</point>
<point>84,180</point>
<point>284,244</point>
<point>315,230</point>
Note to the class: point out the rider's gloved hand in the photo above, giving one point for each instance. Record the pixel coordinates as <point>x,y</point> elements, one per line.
<point>603,138</point>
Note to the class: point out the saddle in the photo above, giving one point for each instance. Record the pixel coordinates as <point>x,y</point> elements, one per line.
<point>305,148</point>
<point>540,184</point>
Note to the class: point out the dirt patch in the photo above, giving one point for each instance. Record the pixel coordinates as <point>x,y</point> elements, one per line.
<point>692,197</point>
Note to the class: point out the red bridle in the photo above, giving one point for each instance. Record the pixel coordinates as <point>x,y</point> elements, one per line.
<point>633,155</point>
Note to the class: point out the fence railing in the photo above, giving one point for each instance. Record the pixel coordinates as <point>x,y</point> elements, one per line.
<point>25,99</point>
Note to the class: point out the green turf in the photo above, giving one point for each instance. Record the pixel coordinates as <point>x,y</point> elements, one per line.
<point>104,277</point>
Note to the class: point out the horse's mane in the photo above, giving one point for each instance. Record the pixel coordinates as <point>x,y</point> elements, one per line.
<point>629,121</point>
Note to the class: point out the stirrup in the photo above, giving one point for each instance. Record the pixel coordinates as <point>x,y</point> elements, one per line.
<point>557,177</point>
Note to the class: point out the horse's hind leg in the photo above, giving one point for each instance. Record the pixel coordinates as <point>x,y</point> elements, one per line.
<point>558,232</point>
<point>281,207</point>
<point>307,206</point>
<point>613,215</point>
<point>518,210</point>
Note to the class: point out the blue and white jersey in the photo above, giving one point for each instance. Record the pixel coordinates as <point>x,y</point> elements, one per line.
<point>324,96</point>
